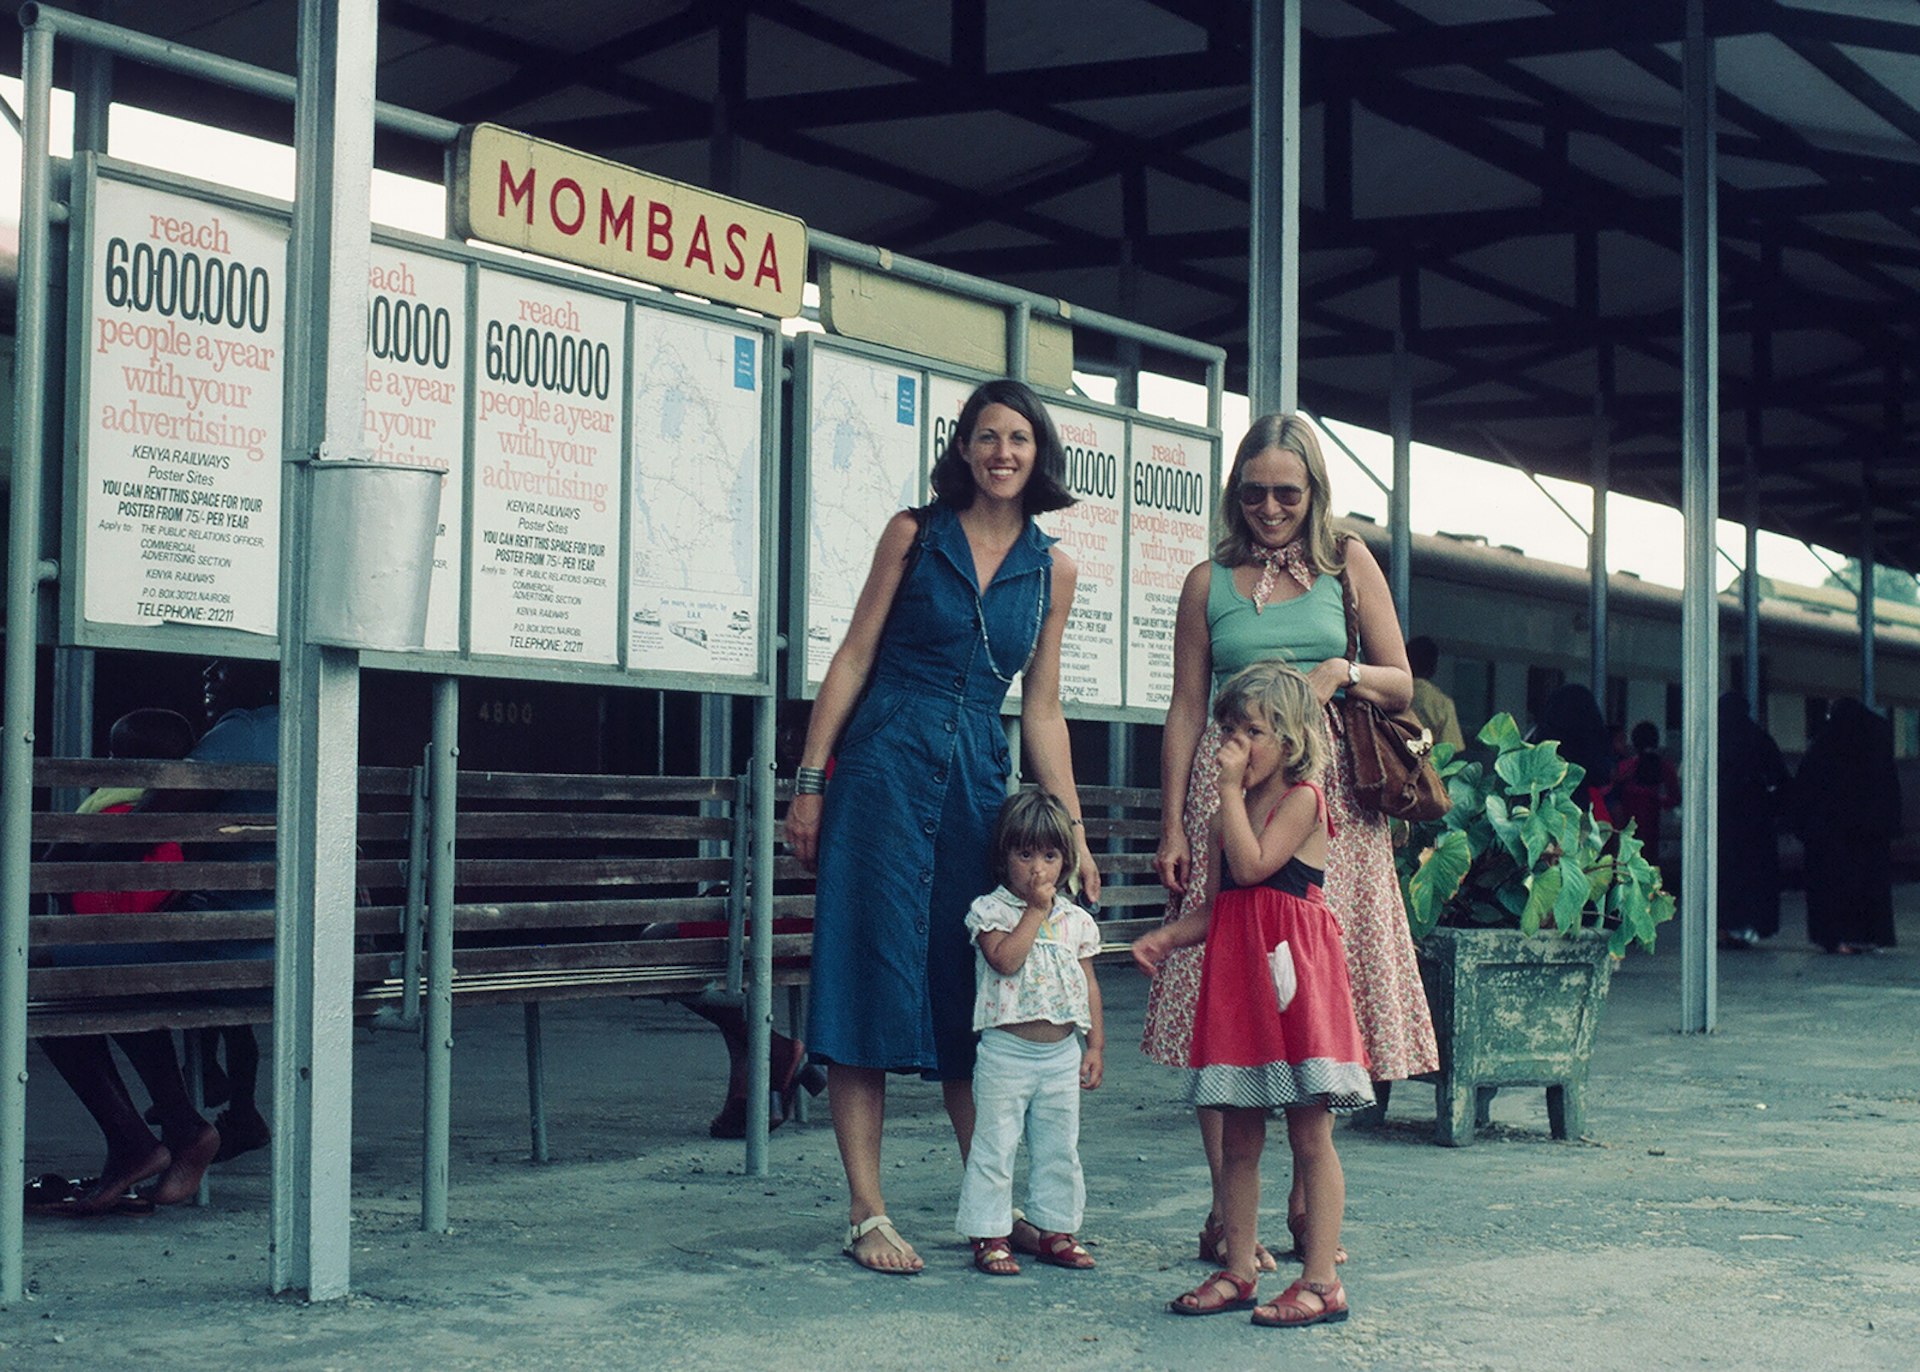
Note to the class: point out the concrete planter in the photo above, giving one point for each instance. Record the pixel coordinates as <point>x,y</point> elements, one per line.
<point>1512,1010</point>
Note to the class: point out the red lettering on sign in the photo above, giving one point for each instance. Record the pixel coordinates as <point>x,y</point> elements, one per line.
<point>618,223</point>
<point>736,259</point>
<point>769,266</point>
<point>700,249</point>
<point>522,190</point>
<point>571,187</point>
<point>659,230</point>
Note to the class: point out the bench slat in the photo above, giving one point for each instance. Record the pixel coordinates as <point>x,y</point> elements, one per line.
<point>51,878</point>
<point>553,786</point>
<point>186,826</point>
<point>565,914</point>
<point>514,872</point>
<point>570,824</point>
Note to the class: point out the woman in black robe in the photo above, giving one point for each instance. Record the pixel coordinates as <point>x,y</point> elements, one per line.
<point>1752,787</point>
<point>1849,802</point>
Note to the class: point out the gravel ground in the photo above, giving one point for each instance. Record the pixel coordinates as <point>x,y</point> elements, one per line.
<point>1744,1200</point>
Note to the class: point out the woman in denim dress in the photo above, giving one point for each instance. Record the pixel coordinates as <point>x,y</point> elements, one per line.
<point>963,595</point>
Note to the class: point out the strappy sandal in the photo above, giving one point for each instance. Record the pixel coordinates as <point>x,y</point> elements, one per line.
<point>994,1257</point>
<point>857,1232</point>
<point>1205,1299</point>
<point>1062,1250</point>
<point>1297,1226</point>
<point>1213,1239</point>
<point>1285,1310</point>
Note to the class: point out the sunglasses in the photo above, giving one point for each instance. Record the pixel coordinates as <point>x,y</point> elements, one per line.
<point>1253,494</point>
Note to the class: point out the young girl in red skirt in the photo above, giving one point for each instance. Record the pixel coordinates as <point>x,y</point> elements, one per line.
<point>1274,1028</point>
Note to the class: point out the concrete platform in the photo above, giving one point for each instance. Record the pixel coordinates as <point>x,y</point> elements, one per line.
<point>1745,1200</point>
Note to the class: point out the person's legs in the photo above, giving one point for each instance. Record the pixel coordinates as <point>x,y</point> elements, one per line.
<point>1315,1161</point>
<point>1243,1136</point>
<point>189,1138</point>
<point>957,1096</point>
<point>86,1064</point>
<point>858,1099</point>
<point>1056,1186</point>
<point>1213,1235</point>
<point>1002,1086</point>
<point>241,1125</point>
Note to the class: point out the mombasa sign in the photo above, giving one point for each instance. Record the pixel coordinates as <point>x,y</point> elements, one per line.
<point>540,197</point>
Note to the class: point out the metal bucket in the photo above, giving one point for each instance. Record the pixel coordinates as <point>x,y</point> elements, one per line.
<point>371,554</point>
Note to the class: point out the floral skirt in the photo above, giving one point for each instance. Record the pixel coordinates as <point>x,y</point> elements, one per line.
<point>1363,892</point>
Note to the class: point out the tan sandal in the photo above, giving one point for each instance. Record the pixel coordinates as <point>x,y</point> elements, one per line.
<point>1286,1311</point>
<point>884,1227</point>
<point>1206,1298</point>
<point>994,1257</point>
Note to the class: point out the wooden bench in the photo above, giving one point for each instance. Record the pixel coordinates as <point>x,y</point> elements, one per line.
<point>98,974</point>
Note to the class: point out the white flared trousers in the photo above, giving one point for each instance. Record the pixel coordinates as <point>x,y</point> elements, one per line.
<point>1022,1087</point>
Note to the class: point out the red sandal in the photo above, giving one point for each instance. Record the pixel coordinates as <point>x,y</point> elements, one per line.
<point>1213,1247</point>
<point>1062,1250</point>
<point>994,1257</point>
<point>1285,1310</point>
<point>1205,1299</point>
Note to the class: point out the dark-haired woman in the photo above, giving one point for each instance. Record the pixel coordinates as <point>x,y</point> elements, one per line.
<point>963,595</point>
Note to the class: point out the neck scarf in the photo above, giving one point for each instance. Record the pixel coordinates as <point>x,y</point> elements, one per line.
<point>1292,559</point>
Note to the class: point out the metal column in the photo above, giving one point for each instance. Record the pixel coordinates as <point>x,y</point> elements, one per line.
<point>1400,420</point>
<point>1750,580</point>
<point>319,687</point>
<point>759,1009</point>
<point>1700,491</point>
<point>1600,473</point>
<point>437,1028</point>
<point>1868,592</point>
<point>25,573</point>
<point>1273,266</point>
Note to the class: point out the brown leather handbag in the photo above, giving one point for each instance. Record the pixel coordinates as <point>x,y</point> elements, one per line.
<point>1392,752</point>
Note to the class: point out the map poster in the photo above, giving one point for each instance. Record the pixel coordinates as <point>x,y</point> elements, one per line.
<point>184,332</point>
<point>1170,507</point>
<point>1092,531</point>
<point>417,402</point>
<point>693,568</point>
<point>863,465</point>
<point>546,471</point>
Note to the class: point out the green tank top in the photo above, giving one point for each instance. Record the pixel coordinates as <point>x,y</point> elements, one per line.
<point>1304,631</point>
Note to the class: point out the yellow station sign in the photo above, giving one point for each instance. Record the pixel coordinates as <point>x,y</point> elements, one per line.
<point>523,192</point>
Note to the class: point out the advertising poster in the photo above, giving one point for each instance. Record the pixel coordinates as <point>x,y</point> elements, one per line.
<point>546,470</point>
<point>1093,532</point>
<point>185,359</point>
<point>863,453</point>
<point>693,599</point>
<point>417,401</point>
<point>1169,521</point>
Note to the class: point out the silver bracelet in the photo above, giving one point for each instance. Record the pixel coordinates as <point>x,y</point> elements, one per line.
<point>809,781</point>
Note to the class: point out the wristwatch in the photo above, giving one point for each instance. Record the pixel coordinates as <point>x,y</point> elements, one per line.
<point>1353,672</point>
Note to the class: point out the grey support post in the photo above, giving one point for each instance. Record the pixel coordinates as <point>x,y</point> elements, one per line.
<point>25,573</point>
<point>319,686</point>
<point>1400,410</point>
<point>436,1031</point>
<point>1699,504</point>
<point>1273,285</point>
<point>1600,465</point>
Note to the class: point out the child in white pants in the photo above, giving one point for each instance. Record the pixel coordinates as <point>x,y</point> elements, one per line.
<point>1037,995</point>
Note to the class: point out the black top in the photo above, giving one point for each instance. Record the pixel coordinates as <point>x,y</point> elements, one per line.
<point>1295,879</point>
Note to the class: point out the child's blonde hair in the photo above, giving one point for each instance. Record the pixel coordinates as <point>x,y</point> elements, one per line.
<point>1033,819</point>
<point>1278,694</point>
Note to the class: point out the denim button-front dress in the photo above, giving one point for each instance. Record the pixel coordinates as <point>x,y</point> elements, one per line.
<point>918,780</point>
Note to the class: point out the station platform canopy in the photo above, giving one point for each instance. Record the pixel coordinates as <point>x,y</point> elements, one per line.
<point>1500,179</point>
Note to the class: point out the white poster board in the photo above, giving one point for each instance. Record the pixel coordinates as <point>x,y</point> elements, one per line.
<point>546,470</point>
<point>1093,532</point>
<point>693,600</point>
<point>863,454</point>
<point>182,398</point>
<point>1169,512</point>
<point>417,400</point>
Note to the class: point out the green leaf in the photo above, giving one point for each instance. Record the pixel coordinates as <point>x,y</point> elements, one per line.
<point>1500,732</point>
<point>1435,881</point>
<point>1542,893</point>
<point>1539,830</point>
<point>1532,770</point>
<point>1575,891</point>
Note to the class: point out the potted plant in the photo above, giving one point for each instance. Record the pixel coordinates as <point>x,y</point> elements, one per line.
<point>1519,902</point>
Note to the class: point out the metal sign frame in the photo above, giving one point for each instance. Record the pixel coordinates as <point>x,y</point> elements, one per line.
<point>636,301</point>
<point>799,551</point>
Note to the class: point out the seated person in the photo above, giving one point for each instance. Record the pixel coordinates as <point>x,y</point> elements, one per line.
<point>187,1143</point>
